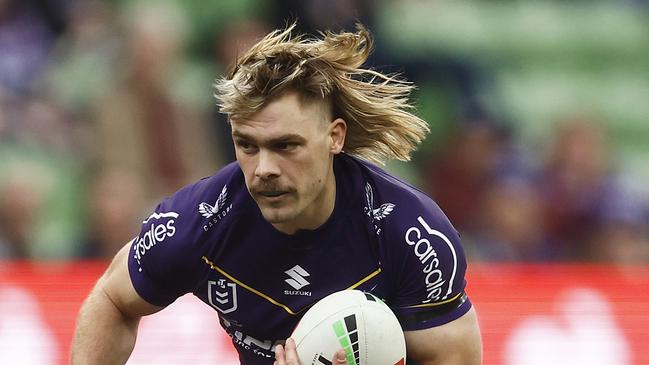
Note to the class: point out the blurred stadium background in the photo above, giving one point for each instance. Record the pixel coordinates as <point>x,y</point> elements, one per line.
<point>539,154</point>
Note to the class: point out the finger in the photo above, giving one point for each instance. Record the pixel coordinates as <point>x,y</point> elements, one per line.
<point>339,358</point>
<point>280,357</point>
<point>291,352</point>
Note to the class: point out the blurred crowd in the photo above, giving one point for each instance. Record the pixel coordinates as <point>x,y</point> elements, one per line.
<point>567,204</point>
<point>106,107</point>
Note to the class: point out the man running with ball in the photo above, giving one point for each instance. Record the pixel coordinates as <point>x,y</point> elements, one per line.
<point>302,213</point>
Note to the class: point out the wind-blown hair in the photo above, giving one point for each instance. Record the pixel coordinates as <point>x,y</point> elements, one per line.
<point>380,122</point>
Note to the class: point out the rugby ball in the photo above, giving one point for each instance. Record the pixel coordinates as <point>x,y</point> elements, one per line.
<point>358,322</point>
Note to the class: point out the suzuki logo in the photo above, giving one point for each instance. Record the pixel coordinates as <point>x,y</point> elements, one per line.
<point>297,275</point>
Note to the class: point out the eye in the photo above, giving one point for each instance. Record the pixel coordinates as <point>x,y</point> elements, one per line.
<point>286,146</point>
<point>245,146</point>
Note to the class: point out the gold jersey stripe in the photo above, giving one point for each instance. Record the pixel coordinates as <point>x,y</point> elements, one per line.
<point>268,298</point>
<point>434,304</point>
<point>368,277</point>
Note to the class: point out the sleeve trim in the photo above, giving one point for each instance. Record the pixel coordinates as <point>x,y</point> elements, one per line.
<point>461,296</point>
<point>433,312</point>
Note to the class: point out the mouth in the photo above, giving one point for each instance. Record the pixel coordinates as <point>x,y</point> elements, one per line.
<point>272,195</point>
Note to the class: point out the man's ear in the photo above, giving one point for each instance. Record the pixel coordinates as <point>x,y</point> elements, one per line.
<point>337,132</point>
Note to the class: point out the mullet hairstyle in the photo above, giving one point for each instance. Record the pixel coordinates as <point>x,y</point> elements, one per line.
<point>381,125</point>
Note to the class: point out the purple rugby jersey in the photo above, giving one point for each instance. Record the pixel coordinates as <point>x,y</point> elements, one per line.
<point>384,236</point>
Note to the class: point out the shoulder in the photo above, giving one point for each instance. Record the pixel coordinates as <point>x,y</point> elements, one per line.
<point>187,208</point>
<point>206,196</point>
<point>172,237</point>
<point>175,227</point>
<point>419,246</point>
<point>400,204</point>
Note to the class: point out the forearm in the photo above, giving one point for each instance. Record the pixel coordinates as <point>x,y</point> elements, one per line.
<point>103,335</point>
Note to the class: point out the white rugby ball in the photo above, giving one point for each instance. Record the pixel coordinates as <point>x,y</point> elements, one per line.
<point>357,322</point>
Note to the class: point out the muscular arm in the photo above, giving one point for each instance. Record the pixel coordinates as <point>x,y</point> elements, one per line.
<point>455,343</point>
<point>109,317</point>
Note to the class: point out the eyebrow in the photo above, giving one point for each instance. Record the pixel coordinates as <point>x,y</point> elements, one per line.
<point>280,139</point>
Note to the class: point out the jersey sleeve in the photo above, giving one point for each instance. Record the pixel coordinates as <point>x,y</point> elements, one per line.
<point>159,260</point>
<point>428,266</point>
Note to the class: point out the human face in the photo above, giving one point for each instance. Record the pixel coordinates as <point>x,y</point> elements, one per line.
<point>286,154</point>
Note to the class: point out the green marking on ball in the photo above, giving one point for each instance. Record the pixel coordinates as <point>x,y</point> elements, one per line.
<point>342,335</point>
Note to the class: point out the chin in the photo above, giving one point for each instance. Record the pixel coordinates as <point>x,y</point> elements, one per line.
<point>276,216</point>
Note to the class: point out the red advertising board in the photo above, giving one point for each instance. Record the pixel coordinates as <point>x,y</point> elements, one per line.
<point>562,314</point>
<point>529,314</point>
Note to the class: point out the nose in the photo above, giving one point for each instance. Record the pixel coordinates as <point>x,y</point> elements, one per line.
<point>267,166</point>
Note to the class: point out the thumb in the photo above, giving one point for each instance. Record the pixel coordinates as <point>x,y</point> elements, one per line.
<point>339,358</point>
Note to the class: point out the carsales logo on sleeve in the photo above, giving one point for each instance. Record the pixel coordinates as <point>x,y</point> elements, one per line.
<point>158,230</point>
<point>426,252</point>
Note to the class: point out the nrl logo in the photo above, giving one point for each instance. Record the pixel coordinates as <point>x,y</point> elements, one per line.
<point>376,214</point>
<point>222,295</point>
<point>208,210</point>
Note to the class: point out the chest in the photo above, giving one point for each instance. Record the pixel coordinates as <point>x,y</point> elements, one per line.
<point>261,284</point>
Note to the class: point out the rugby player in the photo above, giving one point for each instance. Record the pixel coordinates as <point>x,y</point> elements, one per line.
<point>304,211</point>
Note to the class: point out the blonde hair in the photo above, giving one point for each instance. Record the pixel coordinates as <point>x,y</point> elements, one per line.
<point>380,122</point>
